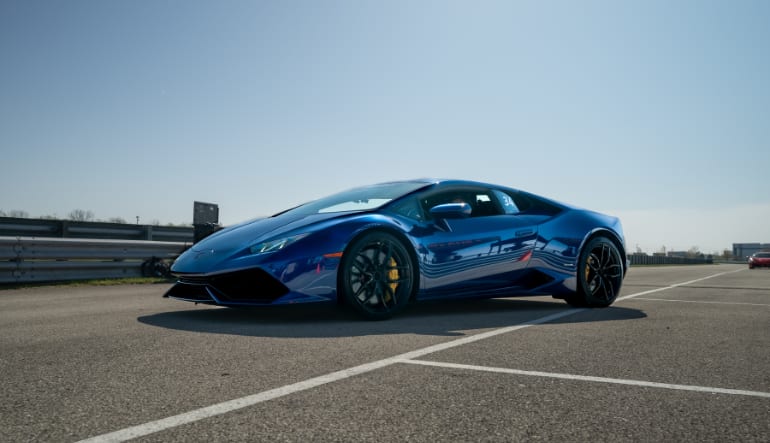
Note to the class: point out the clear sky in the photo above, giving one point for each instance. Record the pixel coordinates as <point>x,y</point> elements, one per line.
<point>655,111</point>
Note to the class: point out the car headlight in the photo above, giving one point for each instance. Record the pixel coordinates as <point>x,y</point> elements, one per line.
<point>275,245</point>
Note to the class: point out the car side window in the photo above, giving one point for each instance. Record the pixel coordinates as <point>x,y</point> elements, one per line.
<point>483,202</point>
<point>506,202</point>
<point>409,208</point>
<point>485,205</point>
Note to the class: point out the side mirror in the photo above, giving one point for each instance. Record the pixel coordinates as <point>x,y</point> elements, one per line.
<point>451,210</point>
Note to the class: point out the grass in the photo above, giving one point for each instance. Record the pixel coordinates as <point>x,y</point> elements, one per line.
<point>94,282</point>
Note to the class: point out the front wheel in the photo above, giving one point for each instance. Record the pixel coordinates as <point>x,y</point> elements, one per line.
<point>599,274</point>
<point>377,275</point>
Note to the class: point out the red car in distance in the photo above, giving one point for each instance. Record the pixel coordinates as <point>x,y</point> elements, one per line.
<point>759,259</point>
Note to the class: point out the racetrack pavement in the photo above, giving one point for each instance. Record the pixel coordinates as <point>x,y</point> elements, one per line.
<point>681,356</point>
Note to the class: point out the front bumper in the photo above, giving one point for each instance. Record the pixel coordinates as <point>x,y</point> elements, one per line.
<point>245,287</point>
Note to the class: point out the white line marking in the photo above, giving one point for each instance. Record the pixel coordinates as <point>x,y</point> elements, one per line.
<point>251,400</point>
<point>676,285</point>
<point>704,302</point>
<point>618,381</point>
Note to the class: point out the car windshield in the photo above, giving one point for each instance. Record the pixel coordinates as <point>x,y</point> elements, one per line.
<point>358,199</point>
<point>762,255</point>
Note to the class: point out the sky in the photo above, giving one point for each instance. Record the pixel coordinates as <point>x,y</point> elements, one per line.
<point>656,111</point>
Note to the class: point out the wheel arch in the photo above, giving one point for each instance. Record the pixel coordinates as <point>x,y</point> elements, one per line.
<point>613,237</point>
<point>403,238</point>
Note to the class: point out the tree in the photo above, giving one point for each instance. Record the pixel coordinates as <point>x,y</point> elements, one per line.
<point>117,220</point>
<point>18,214</point>
<point>81,215</point>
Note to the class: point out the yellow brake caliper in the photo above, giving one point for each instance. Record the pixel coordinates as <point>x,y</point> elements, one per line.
<point>393,277</point>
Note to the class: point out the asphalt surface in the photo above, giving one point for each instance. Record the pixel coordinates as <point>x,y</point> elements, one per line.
<point>667,362</point>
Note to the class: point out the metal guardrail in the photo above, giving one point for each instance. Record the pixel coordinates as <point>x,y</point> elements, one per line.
<point>30,259</point>
<point>28,227</point>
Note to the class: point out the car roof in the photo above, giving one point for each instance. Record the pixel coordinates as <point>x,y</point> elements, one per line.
<point>457,182</point>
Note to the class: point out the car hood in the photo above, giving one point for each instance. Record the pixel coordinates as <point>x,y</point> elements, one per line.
<point>245,234</point>
<point>227,247</point>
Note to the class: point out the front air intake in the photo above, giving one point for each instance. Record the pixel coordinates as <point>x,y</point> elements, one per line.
<point>254,285</point>
<point>190,292</point>
<point>249,285</point>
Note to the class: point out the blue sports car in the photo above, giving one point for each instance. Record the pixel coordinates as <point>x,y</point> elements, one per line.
<point>379,247</point>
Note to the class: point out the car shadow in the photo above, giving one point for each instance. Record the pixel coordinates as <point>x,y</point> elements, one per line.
<point>445,318</point>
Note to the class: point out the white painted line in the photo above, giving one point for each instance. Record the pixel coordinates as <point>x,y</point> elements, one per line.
<point>704,302</point>
<point>251,400</point>
<point>618,381</point>
<point>676,285</point>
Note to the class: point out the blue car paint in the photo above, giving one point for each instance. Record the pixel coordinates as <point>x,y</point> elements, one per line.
<point>463,257</point>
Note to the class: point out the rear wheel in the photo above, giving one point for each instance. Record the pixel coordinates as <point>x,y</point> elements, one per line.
<point>599,274</point>
<point>377,275</point>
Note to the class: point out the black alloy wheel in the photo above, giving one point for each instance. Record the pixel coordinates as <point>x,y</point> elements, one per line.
<point>377,275</point>
<point>599,274</point>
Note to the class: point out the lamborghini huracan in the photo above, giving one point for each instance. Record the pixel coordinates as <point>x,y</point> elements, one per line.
<point>379,247</point>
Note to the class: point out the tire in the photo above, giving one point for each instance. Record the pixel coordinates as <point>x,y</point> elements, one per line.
<point>155,267</point>
<point>599,274</point>
<point>377,275</point>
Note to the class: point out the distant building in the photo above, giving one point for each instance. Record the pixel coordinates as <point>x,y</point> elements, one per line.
<point>744,250</point>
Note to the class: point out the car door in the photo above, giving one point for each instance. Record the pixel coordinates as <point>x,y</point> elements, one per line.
<point>484,251</point>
